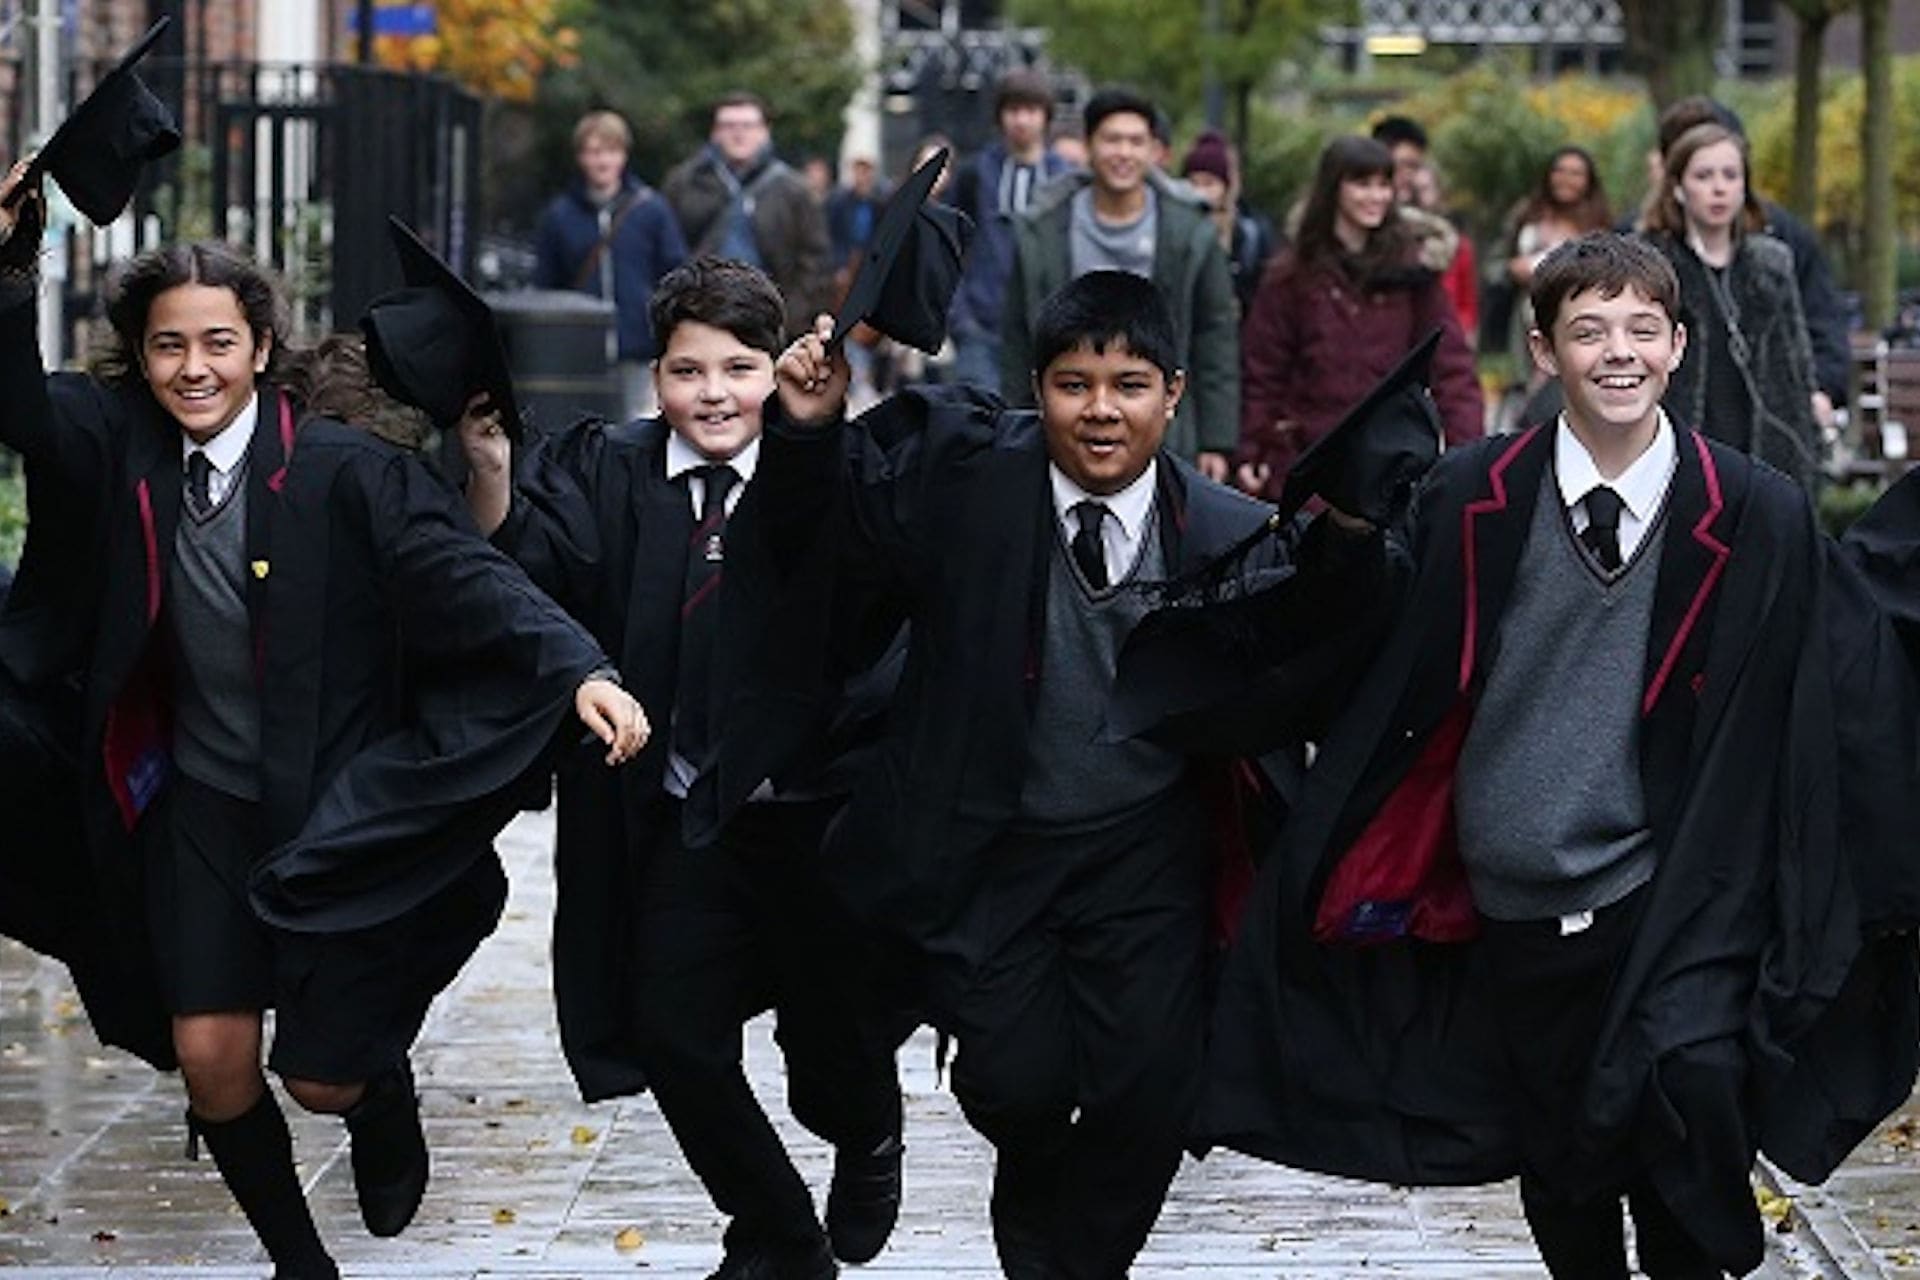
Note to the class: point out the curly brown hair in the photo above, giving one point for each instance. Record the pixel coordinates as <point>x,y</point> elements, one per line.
<point>133,288</point>
<point>334,381</point>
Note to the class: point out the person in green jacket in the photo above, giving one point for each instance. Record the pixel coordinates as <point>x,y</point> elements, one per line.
<point>1125,215</point>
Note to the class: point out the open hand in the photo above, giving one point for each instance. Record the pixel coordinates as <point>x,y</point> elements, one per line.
<point>812,381</point>
<point>614,717</point>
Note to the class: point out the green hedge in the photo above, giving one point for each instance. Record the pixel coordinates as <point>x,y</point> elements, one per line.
<point>13,514</point>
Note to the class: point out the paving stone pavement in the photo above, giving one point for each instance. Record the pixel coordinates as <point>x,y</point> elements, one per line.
<point>530,1182</point>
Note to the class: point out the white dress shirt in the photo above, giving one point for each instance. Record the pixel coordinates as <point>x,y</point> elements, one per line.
<point>683,457</point>
<point>1642,486</point>
<point>225,452</point>
<point>1127,513</point>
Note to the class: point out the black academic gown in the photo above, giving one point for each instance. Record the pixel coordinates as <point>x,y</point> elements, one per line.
<point>935,507</point>
<point>46,630</point>
<point>595,521</point>
<point>1380,1061</point>
<point>408,673</point>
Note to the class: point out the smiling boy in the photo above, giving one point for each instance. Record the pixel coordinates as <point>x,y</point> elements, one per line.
<point>1600,747</point>
<point>1057,882</point>
<point>683,913</point>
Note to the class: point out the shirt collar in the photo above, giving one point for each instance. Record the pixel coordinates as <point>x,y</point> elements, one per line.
<point>1130,506</point>
<point>1641,486</point>
<point>683,457</point>
<point>225,450</point>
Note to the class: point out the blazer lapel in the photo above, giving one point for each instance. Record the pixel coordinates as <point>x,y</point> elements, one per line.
<point>268,456</point>
<point>1692,558</point>
<point>1172,511</point>
<point>158,477</point>
<point>137,572</point>
<point>1493,532</point>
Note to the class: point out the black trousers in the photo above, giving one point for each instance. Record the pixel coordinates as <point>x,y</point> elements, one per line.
<point>1073,987</point>
<point>1551,991</point>
<point>724,933</point>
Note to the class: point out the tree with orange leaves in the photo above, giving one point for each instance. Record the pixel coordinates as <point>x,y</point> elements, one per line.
<point>498,48</point>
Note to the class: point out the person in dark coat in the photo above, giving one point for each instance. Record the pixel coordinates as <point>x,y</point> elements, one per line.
<point>689,891</point>
<point>994,187</point>
<point>1820,305</point>
<point>1355,291</point>
<point>851,213</point>
<point>609,234</point>
<point>736,199</point>
<point>1125,214</point>
<point>1212,168</point>
<point>1565,892</point>
<point>1056,883</point>
<point>1748,376</point>
<point>300,651</point>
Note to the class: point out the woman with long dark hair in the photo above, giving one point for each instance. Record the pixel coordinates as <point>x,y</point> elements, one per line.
<point>1352,295</point>
<point>1569,202</point>
<point>1747,377</point>
<point>307,689</point>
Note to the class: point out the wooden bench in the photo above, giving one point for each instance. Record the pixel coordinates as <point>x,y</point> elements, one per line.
<point>1887,402</point>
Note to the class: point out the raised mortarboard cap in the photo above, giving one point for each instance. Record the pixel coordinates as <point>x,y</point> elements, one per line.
<point>1367,465</point>
<point>435,342</point>
<point>912,266</point>
<point>97,152</point>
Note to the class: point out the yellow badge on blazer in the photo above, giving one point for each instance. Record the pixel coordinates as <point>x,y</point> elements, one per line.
<point>261,568</point>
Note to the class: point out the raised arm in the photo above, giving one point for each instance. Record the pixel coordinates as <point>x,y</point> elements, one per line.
<point>538,507</point>
<point>60,424</point>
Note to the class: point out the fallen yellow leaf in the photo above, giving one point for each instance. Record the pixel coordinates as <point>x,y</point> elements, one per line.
<point>503,1217</point>
<point>628,1239</point>
<point>583,1136</point>
<point>1774,1208</point>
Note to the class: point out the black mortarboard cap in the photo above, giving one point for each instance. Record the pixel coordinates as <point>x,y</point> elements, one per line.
<point>434,343</point>
<point>1235,647</point>
<point>1367,465</point>
<point>912,265</point>
<point>97,152</point>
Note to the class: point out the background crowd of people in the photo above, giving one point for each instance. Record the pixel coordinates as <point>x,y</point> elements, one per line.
<point>1285,315</point>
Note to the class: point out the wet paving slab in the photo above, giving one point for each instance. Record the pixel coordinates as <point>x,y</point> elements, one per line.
<point>531,1182</point>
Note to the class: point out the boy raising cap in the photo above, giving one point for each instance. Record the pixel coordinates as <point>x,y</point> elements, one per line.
<point>682,912</point>
<point>1057,882</point>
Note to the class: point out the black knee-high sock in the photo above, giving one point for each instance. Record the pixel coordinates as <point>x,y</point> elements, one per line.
<point>255,1154</point>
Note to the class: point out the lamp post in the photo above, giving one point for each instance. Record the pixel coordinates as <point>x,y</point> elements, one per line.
<point>49,83</point>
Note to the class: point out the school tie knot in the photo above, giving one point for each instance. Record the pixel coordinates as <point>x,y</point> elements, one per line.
<point>200,482</point>
<point>1602,535</point>
<point>1089,547</point>
<point>716,483</point>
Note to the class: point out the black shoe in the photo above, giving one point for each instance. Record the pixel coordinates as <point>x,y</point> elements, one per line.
<point>315,1271</point>
<point>760,1262</point>
<point>864,1201</point>
<point>389,1152</point>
